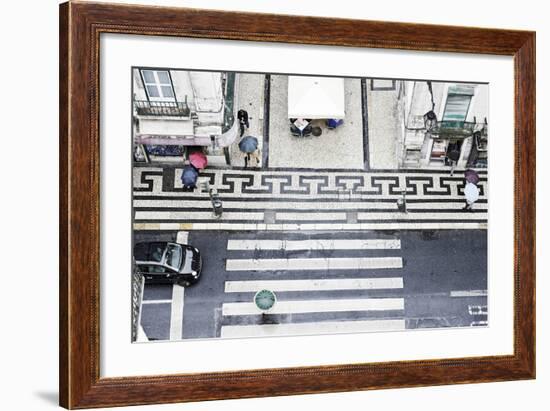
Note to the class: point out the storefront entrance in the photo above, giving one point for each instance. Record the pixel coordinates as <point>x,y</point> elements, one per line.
<point>446,151</point>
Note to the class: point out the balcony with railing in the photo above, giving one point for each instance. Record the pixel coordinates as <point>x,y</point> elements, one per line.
<point>452,129</point>
<point>162,108</point>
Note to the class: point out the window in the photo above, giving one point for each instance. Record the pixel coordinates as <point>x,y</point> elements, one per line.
<point>173,256</point>
<point>151,269</point>
<point>458,103</point>
<point>158,85</point>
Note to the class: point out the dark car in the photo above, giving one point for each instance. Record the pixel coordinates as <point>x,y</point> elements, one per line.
<point>168,262</point>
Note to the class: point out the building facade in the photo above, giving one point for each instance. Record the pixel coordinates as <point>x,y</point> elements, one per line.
<point>174,110</point>
<point>443,125</point>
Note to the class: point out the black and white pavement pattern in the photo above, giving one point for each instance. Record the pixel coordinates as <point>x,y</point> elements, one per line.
<point>300,200</point>
<point>333,246</point>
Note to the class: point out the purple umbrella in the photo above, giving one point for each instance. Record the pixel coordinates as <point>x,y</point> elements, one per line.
<point>471,176</point>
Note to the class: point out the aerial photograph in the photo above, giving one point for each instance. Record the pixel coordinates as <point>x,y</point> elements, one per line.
<point>273,205</point>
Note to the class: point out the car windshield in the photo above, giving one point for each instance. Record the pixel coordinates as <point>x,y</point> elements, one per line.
<point>173,256</point>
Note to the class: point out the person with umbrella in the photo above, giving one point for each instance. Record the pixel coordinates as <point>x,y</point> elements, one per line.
<point>242,116</point>
<point>471,176</point>
<point>248,145</point>
<point>198,159</point>
<point>189,177</point>
<point>471,192</point>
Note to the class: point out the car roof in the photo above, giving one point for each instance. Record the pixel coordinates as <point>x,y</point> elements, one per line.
<point>152,250</point>
<point>149,251</point>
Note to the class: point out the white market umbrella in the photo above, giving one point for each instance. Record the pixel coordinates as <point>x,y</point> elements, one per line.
<point>316,97</point>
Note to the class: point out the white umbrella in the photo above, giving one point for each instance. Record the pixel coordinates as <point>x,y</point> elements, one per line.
<point>316,97</point>
<point>471,192</point>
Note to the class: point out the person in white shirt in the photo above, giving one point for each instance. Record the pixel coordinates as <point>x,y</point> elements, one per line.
<point>471,192</point>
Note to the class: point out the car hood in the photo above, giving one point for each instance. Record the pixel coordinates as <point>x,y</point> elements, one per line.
<point>186,268</point>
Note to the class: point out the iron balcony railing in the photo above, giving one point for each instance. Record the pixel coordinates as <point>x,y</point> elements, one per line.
<point>452,129</point>
<point>162,108</point>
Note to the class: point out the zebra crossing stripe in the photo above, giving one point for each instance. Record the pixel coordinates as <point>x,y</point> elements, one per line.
<point>147,302</point>
<point>317,306</point>
<point>470,293</point>
<point>182,237</point>
<point>296,329</point>
<point>176,313</point>
<point>314,285</point>
<point>312,244</point>
<point>313,263</point>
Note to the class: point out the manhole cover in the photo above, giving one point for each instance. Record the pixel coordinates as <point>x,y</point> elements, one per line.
<point>265,300</point>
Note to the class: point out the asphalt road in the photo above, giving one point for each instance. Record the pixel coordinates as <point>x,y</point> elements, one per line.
<point>444,280</point>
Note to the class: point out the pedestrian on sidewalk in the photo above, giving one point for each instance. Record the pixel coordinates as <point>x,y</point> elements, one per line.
<point>471,192</point>
<point>242,116</point>
<point>453,156</point>
<point>252,156</point>
<point>189,177</point>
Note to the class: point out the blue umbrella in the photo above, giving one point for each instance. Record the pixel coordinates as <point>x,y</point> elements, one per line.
<point>189,176</point>
<point>248,144</point>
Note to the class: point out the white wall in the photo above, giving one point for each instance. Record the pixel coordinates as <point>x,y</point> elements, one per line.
<point>29,326</point>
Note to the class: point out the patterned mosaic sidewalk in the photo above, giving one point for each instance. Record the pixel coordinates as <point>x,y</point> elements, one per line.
<point>305,200</point>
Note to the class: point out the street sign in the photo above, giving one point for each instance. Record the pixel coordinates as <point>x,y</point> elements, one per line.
<point>265,300</point>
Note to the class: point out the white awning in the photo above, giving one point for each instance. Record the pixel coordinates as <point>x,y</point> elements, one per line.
<point>315,97</point>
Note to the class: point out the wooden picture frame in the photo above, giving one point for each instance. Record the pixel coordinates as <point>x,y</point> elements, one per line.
<point>81,25</point>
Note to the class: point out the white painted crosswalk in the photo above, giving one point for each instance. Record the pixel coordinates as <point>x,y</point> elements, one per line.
<point>313,244</point>
<point>341,300</point>
<point>297,329</point>
<point>176,312</point>
<point>317,306</point>
<point>286,264</point>
<point>315,285</point>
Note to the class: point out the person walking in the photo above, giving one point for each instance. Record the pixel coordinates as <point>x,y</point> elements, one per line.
<point>471,192</point>
<point>255,155</point>
<point>454,155</point>
<point>189,177</point>
<point>242,116</point>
